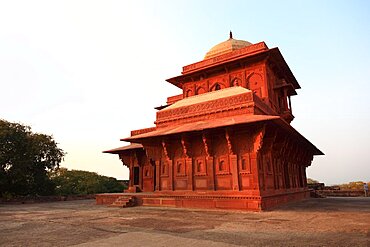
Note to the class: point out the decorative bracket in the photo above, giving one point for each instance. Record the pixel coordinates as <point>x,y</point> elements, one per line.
<point>184,149</point>
<point>258,142</point>
<point>165,149</point>
<point>228,141</point>
<point>126,159</point>
<point>206,145</point>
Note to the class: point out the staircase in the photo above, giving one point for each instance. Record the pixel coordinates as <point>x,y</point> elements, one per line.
<point>124,201</point>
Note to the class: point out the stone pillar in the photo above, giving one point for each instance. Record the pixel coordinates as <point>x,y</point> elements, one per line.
<point>141,170</point>
<point>189,164</point>
<point>254,170</point>
<point>211,173</point>
<point>234,171</point>
<point>170,174</point>
<point>158,172</point>
<point>304,176</point>
<point>131,179</point>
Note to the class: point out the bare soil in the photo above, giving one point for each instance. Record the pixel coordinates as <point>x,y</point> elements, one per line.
<point>313,222</point>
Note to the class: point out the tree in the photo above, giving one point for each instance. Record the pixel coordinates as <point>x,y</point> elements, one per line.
<point>357,185</point>
<point>75,182</point>
<point>25,159</point>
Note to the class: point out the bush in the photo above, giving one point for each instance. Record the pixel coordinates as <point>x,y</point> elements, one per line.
<point>75,182</point>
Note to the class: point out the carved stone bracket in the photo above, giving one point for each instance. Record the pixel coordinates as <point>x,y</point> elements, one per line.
<point>258,142</point>
<point>126,159</point>
<point>228,141</point>
<point>184,148</point>
<point>206,145</point>
<point>165,150</point>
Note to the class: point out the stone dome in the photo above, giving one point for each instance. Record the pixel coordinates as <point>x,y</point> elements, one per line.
<point>226,46</point>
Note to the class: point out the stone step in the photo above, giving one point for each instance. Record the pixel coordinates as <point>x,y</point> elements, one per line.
<point>124,201</point>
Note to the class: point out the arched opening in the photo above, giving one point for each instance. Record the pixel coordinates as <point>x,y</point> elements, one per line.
<point>179,168</point>
<point>221,166</point>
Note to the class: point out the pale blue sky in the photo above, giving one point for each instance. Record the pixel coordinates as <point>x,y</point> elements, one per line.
<point>88,72</point>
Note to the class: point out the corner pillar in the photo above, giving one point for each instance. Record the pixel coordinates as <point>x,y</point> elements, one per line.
<point>157,175</point>
<point>234,171</point>
<point>189,165</point>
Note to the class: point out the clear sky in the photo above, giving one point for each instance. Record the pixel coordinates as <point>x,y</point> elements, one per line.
<point>88,72</point>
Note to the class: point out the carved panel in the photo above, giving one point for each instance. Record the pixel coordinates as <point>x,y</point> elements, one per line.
<point>245,164</point>
<point>221,81</point>
<point>255,83</point>
<point>201,183</point>
<point>165,166</point>
<point>164,184</point>
<point>246,182</point>
<point>224,183</point>
<point>181,184</point>
<point>189,89</point>
<point>180,167</point>
<point>200,166</point>
<point>148,172</point>
<point>222,165</point>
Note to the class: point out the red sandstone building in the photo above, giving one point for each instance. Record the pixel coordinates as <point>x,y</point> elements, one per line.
<point>226,141</point>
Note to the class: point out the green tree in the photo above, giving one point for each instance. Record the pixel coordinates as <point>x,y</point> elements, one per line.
<point>75,182</point>
<point>25,159</point>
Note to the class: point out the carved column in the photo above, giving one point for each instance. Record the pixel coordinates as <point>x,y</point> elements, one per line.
<point>141,171</point>
<point>158,177</point>
<point>210,165</point>
<point>131,179</point>
<point>257,145</point>
<point>188,163</point>
<point>233,159</point>
<point>169,163</point>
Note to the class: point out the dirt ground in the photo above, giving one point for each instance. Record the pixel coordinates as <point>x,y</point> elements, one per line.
<point>313,222</point>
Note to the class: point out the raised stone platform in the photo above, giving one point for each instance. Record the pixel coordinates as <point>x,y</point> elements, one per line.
<point>232,201</point>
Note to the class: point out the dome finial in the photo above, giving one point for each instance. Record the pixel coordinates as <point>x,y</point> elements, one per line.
<point>231,34</point>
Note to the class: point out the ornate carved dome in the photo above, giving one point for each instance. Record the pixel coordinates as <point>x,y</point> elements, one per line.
<point>226,46</point>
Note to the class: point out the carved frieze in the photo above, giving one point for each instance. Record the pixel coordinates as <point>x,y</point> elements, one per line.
<point>205,108</point>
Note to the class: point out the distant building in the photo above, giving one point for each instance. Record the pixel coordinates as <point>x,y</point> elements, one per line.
<point>226,141</point>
